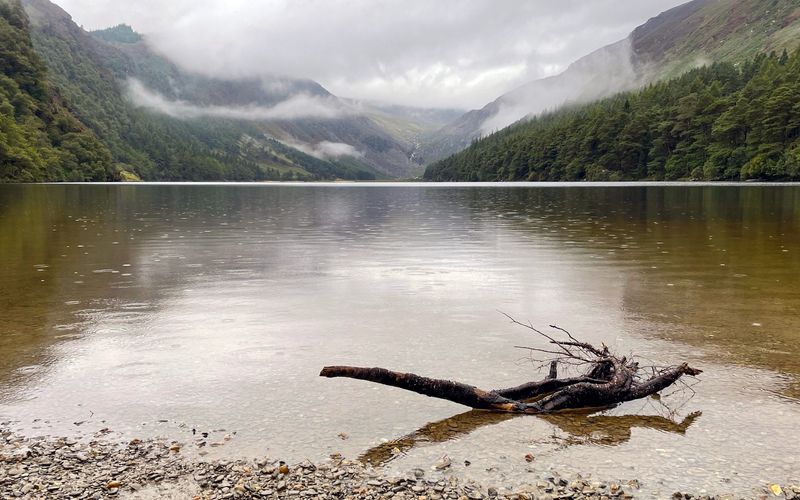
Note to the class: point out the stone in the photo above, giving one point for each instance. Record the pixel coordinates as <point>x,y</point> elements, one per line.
<point>442,463</point>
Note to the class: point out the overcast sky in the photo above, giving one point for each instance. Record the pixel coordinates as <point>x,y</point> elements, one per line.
<point>436,53</point>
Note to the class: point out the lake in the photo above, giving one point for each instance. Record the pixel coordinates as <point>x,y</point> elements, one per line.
<point>156,309</point>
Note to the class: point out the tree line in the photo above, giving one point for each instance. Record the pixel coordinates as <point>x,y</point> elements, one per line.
<point>725,121</point>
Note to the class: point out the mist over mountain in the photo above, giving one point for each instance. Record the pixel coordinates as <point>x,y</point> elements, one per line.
<point>158,119</point>
<point>722,102</point>
<point>443,54</point>
<point>684,37</point>
<point>114,104</point>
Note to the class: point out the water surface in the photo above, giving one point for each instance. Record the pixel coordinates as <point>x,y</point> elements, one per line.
<point>155,309</point>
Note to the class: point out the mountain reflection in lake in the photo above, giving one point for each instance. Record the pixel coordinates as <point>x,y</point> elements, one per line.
<point>154,309</point>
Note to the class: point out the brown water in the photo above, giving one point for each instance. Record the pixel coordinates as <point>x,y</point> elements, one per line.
<point>154,309</point>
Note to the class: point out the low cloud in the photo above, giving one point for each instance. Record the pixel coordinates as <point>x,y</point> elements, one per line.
<point>337,149</point>
<point>326,149</point>
<point>443,53</point>
<point>296,107</point>
<point>600,74</point>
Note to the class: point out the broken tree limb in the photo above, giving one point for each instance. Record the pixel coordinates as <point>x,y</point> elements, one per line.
<point>456,392</point>
<point>609,380</point>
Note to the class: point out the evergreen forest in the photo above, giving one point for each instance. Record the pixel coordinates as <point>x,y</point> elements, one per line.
<point>725,121</point>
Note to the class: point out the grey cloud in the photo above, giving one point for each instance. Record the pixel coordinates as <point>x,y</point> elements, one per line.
<point>295,107</point>
<point>603,73</point>
<point>336,149</point>
<point>443,53</point>
<point>326,149</point>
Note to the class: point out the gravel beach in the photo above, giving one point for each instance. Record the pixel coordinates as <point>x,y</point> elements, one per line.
<point>46,467</point>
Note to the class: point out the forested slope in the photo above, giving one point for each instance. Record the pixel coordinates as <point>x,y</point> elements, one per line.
<point>66,115</point>
<point>722,122</point>
<point>40,140</point>
<point>666,46</point>
<point>148,145</point>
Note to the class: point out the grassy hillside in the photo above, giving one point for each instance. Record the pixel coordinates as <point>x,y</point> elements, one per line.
<point>703,31</point>
<point>40,140</point>
<point>722,122</point>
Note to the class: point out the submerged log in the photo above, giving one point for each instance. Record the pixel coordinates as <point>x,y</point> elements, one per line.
<point>609,380</point>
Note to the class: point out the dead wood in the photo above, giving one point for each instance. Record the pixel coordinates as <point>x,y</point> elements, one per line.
<point>609,380</point>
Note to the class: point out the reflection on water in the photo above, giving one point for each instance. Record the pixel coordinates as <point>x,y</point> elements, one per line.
<point>153,309</point>
<point>605,430</point>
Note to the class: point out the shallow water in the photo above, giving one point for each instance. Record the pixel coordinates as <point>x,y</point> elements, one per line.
<point>155,309</point>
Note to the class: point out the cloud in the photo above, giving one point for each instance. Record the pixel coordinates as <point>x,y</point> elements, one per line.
<point>337,149</point>
<point>295,107</point>
<point>602,73</point>
<point>443,53</point>
<point>325,149</point>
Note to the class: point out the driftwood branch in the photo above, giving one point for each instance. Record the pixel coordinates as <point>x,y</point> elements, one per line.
<point>609,380</point>
<point>456,392</point>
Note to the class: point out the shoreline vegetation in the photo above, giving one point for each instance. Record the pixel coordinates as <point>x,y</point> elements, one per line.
<point>723,121</point>
<point>100,467</point>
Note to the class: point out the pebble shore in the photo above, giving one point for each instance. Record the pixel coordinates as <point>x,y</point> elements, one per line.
<point>64,468</point>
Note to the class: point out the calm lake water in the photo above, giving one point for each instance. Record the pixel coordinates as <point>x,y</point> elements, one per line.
<point>154,309</point>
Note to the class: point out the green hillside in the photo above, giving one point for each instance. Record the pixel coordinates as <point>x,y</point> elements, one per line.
<point>726,121</point>
<point>693,34</point>
<point>39,139</point>
<point>89,72</point>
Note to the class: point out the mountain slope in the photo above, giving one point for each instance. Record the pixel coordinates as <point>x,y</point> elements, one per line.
<point>721,122</point>
<point>677,40</point>
<point>89,72</point>
<point>39,139</point>
<point>702,31</point>
<point>163,123</point>
<point>296,112</point>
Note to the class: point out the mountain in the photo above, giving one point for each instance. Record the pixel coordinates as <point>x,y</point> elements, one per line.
<point>40,139</point>
<point>156,121</point>
<point>380,137</point>
<point>726,121</point>
<point>677,40</point>
<point>140,143</point>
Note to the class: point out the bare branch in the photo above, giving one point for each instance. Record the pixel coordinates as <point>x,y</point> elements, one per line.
<point>609,380</point>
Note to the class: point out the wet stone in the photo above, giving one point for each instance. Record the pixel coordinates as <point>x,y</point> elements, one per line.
<point>50,468</point>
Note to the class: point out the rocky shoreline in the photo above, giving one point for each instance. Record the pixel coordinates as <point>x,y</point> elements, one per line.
<point>34,468</point>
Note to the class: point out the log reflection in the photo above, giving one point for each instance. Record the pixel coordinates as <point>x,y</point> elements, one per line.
<point>613,430</point>
<point>605,430</point>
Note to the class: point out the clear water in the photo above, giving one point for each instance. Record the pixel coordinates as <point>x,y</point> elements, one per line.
<point>155,309</point>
